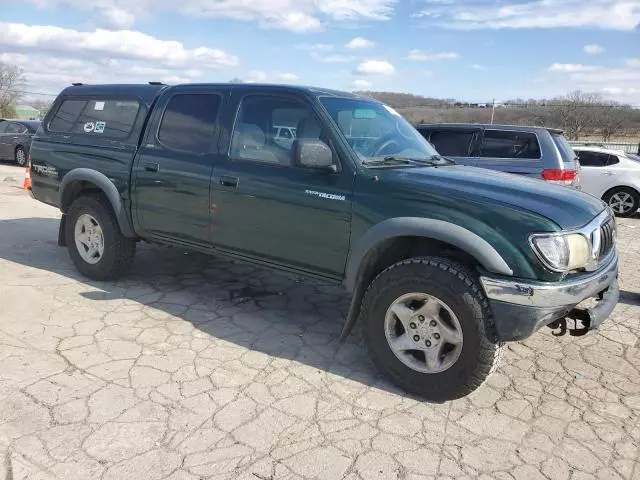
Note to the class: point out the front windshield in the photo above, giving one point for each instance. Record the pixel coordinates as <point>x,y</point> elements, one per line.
<point>635,158</point>
<point>376,131</point>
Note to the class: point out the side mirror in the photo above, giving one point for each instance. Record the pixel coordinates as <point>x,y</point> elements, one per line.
<point>314,154</point>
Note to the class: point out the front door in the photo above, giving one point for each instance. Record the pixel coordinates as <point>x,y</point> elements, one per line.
<point>267,208</point>
<point>173,168</point>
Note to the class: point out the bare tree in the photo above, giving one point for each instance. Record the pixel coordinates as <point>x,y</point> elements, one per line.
<point>576,113</point>
<point>611,119</point>
<point>12,79</point>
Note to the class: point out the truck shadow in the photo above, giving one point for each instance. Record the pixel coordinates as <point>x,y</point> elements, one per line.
<point>281,315</point>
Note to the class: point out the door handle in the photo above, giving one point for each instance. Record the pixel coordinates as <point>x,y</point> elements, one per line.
<point>227,181</point>
<point>151,167</point>
<point>609,172</point>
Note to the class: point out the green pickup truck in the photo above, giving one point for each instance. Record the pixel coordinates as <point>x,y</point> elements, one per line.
<point>444,263</point>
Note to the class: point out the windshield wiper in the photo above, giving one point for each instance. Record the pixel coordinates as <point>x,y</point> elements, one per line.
<point>432,161</point>
<point>389,159</point>
<point>435,158</point>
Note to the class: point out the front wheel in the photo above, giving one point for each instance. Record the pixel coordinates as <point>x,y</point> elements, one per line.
<point>623,201</point>
<point>426,328</point>
<point>20,157</point>
<point>96,245</point>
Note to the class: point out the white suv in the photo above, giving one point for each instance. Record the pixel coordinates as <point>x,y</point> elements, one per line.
<point>611,175</point>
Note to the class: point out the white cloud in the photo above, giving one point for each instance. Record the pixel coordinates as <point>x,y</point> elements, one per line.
<point>618,82</point>
<point>257,76</point>
<point>593,49</point>
<point>289,77</point>
<point>119,44</point>
<point>117,18</point>
<point>476,66</point>
<point>361,84</point>
<point>420,56</point>
<point>315,47</point>
<point>292,15</point>
<point>601,14</point>
<point>360,42</point>
<point>572,67</point>
<point>375,67</point>
<point>175,79</point>
<point>334,58</point>
<point>14,58</point>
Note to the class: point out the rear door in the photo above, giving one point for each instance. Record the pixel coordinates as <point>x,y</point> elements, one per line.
<point>459,144</point>
<point>266,207</point>
<point>511,151</point>
<point>598,171</point>
<point>173,169</point>
<point>6,140</point>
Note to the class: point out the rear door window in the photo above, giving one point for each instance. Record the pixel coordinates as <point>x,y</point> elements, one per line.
<point>593,159</point>
<point>188,122</point>
<point>16,128</point>
<point>452,143</point>
<point>510,144</point>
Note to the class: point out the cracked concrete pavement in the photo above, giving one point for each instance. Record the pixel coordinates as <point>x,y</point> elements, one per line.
<point>193,367</point>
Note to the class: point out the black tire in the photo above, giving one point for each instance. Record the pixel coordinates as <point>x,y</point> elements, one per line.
<point>118,249</point>
<point>629,191</point>
<point>458,288</point>
<point>20,157</point>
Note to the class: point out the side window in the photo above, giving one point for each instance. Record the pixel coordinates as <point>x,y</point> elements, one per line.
<point>16,128</point>
<point>452,143</point>
<point>110,118</point>
<point>592,159</point>
<point>510,144</point>
<point>256,117</point>
<point>189,120</point>
<point>3,126</point>
<point>612,160</point>
<point>66,116</point>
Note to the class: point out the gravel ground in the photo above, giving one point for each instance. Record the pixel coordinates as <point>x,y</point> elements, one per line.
<point>193,367</point>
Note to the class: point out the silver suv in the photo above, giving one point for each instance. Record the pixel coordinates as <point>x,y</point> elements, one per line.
<point>533,151</point>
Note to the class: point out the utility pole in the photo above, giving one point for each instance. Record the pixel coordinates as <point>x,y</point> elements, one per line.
<point>493,109</point>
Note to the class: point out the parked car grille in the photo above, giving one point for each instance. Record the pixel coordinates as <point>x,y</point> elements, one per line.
<point>607,237</point>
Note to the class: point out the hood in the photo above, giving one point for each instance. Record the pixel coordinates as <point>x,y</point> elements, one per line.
<point>567,207</point>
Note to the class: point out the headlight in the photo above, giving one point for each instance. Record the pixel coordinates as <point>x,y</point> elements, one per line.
<point>562,253</point>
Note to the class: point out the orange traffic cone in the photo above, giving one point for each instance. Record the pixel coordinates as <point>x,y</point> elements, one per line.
<point>27,175</point>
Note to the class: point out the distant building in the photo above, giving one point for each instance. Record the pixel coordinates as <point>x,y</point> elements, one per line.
<point>25,112</point>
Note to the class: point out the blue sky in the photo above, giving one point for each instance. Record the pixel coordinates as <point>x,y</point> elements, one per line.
<point>472,50</point>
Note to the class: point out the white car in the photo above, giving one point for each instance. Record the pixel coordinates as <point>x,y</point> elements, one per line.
<point>611,175</point>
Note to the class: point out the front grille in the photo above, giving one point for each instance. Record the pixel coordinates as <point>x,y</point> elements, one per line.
<point>607,237</point>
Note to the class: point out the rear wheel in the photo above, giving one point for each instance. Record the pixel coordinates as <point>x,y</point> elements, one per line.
<point>426,328</point>
<point>623,201</point>
<point>20,157</point>
<point>96,245</point>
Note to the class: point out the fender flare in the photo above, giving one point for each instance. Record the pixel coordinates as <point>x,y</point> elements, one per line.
<point>450,233</point>
<point>101,181</point>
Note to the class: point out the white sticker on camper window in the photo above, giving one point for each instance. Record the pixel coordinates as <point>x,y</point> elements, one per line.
<point>100,127</point>
<point>99,106</point>
<point>89,126</point>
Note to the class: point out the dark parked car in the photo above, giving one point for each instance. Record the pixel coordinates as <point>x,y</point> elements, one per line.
<point>444,262</point>
<point>15,139</point>
<point>533,151</point>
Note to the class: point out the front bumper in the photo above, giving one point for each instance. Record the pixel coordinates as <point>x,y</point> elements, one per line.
<point>522,307</point>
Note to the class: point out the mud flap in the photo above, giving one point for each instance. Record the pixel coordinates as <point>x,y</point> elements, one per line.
<point>62,231</point>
